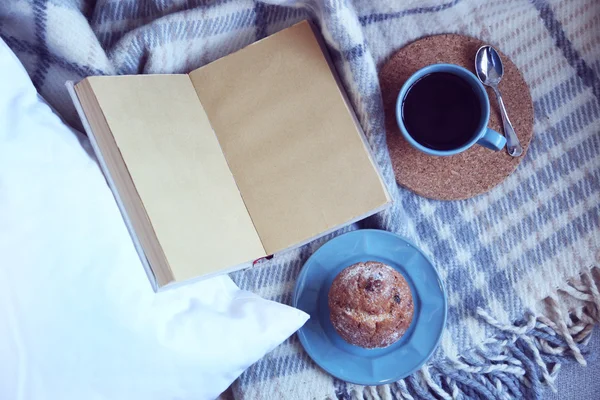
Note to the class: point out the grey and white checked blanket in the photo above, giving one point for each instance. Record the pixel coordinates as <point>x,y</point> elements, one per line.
<point>519,263</point>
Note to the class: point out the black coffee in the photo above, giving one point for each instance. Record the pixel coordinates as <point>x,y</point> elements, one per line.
<point>441,111</point>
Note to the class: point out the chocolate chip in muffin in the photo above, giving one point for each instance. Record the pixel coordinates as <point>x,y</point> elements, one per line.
<point>372,284</point>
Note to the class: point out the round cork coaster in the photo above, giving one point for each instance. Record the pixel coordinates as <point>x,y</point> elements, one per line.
<point>471,172</point>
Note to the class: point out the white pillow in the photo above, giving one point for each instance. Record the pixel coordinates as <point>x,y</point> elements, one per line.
<point>78,317</point>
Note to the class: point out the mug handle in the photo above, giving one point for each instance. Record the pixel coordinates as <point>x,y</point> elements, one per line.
<point>492,140</point>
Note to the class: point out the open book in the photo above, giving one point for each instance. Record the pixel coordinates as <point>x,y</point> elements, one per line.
<point>252,154</point>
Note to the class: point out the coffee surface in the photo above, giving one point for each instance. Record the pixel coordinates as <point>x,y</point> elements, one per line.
<point>441,111</point>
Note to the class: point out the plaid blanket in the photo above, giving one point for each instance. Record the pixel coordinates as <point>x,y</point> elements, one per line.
<point>519,263</point>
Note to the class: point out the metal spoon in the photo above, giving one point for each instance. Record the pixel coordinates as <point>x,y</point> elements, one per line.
<point>489,71</point>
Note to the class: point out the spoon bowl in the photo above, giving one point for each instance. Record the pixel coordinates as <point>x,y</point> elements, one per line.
<point>489,66</point>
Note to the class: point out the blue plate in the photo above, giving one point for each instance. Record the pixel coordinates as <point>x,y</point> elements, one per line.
<point>356,364</point>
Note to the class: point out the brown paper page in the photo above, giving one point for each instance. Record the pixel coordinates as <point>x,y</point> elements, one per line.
<point>179,171</point>
<point>289,139</point>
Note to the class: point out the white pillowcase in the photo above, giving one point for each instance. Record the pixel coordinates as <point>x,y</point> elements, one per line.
<point>78,317</point>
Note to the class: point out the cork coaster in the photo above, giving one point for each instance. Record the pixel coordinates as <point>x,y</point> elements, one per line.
<point>476,170</point>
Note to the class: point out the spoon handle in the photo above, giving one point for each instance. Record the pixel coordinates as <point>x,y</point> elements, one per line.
<point>513,147</point>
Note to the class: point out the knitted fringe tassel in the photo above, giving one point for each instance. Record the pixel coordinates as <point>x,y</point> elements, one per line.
<point>518,363</point>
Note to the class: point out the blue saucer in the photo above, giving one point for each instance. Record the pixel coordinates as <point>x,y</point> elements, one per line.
<point>356,364</point>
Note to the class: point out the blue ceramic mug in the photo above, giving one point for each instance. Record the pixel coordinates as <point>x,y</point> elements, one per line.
<point>483,135</point>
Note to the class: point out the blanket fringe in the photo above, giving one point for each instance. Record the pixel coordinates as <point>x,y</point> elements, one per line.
<point>517,363</point>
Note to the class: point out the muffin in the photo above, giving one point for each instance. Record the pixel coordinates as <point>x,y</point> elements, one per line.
<point>370,305</point>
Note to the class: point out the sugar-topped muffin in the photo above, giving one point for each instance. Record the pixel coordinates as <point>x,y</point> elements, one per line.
<point>370,304</point>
